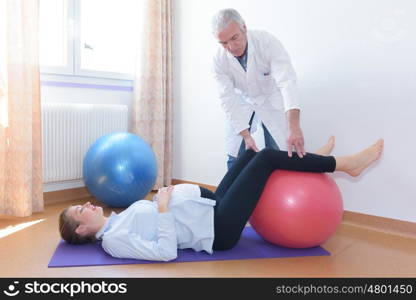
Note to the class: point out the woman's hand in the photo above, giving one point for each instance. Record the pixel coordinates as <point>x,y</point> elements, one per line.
<point>163,198</point>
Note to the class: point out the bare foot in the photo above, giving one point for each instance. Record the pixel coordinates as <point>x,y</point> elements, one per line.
<point>327,148</point>
<point>356,163</point>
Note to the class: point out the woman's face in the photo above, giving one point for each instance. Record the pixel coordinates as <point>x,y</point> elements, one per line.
<point>88,215</point>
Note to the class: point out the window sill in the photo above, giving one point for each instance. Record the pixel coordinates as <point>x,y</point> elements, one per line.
<point>71,81</point>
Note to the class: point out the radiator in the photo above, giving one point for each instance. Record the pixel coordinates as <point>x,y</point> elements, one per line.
<point>68,131</point>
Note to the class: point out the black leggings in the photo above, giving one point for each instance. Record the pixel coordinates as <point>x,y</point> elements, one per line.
<point>241,188</point>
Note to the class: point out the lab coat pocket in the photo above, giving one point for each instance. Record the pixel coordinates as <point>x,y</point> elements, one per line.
<point>266,83</point>
<point>277,102</point>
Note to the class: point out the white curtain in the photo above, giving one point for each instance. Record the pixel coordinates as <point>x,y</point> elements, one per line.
<point>20,116</point>
<point>152,105</point>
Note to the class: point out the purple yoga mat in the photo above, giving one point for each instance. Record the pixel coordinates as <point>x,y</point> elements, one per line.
<point>250,246</point>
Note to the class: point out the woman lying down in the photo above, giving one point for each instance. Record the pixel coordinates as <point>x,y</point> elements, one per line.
<point>188,216</point>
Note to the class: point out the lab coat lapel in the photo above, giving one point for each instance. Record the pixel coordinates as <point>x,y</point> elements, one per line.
<point>252,86</point>
<point>250,54</point>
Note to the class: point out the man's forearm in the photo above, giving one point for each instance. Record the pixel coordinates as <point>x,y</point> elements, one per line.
<point>293,119</point>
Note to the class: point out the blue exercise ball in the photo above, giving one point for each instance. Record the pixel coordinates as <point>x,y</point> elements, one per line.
<point>119,169</point>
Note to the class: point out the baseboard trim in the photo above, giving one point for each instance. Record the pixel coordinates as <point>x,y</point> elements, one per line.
<point>385,225</point>
<point>371,222</point>
<point>65,195</point>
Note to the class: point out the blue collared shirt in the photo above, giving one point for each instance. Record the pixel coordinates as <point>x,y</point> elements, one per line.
<point>141,232</point>
<point>243,59</point>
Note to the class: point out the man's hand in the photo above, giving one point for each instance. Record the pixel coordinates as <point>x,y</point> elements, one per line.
<point>295,135</point>
<point>295,140</point>
<point>163,197</point>
<point>248,140</point>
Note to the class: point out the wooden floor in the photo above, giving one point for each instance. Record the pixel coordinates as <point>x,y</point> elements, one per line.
<point>27,244</point>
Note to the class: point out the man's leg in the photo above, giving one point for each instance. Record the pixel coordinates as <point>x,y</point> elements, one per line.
<point>232,159</point>
<point>269,141</point>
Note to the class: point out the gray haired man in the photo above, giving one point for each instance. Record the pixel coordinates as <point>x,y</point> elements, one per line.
<point>257,84</point>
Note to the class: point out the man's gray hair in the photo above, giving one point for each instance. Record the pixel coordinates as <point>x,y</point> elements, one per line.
<point>222,18</point>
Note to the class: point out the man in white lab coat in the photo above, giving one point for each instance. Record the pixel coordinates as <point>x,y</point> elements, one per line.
<point>257,83</point>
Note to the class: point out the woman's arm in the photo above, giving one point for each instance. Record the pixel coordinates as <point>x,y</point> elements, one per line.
<point>163,197</point>
<point>128,244</point>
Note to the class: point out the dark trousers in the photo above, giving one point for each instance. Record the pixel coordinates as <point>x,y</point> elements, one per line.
<point>240,189</point>
<point>269,142</point>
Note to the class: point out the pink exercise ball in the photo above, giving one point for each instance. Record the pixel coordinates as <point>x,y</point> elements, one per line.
<point>298,209</point>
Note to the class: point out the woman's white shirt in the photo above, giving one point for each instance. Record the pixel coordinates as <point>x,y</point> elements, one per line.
<point>141,232</point>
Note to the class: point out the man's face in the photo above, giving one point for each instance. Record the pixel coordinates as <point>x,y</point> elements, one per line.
<point>233,38</point>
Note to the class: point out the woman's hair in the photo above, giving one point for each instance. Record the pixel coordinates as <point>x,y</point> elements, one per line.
<point>222,18</point>
<point>67,227</point>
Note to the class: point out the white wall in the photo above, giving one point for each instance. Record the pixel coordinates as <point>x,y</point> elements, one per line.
<point>355,63</point>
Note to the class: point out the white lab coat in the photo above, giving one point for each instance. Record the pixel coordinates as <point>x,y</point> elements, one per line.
<point>268,88</point>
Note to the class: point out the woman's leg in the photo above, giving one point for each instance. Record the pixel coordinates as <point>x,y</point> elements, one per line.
<point>233,172</point>
<point>355,164</point>
<point>235,208</point>
<point>243,160</point>
<point>206,193</point>
<point>240,199</point>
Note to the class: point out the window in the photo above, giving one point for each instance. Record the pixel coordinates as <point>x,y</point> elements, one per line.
<point>55,38</point>
<point>97,38</point>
